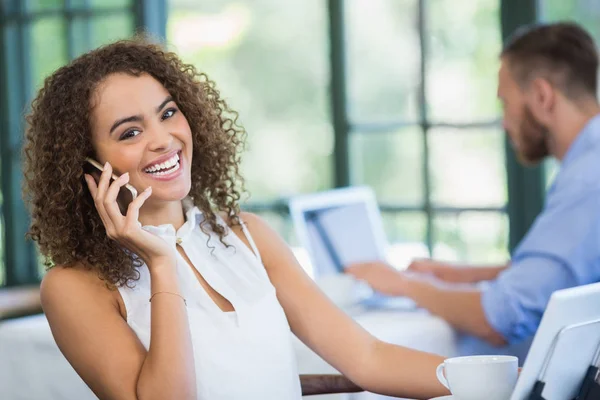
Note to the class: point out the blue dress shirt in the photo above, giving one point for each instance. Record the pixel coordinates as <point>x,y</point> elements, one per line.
<point>562,248</point>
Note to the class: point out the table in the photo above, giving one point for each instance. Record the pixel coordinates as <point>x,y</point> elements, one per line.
<point>416,329</point>
<point>32,367</point>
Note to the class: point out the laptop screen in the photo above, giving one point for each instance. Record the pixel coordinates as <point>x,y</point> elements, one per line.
<point>338,228</point>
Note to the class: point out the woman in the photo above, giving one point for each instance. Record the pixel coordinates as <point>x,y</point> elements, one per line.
<point>183,297</point>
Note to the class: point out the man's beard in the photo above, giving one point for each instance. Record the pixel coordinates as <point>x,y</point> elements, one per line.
<point>533,138</point>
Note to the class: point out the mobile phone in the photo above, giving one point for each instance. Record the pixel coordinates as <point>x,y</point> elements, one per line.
<point>127,193</point>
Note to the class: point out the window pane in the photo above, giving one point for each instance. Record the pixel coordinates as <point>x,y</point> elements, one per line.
<point>273,70</point>
<point>406,234</point>
<point>383,58</point>
<point>391,163</point>
<point>109,28</point>
<point>474,237</point>
<point>82,35</point>
<point>100,4</point>
<point>111,3</point>
<point>463,45</point>
<point>38,5</point>
<point>468,167</point>
<point>584,12</point>
<point>49,49</point>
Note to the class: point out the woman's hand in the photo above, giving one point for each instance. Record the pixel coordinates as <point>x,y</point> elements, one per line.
<point>127,230</point>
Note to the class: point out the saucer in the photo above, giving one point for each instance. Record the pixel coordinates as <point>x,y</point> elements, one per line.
<point>450,397</point>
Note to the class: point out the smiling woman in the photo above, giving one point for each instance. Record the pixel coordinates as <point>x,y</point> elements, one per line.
<point>158,127</point>
<point>129,111</point>
<point>180,294</point>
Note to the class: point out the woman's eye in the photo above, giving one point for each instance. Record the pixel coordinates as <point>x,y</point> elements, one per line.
<point>130,133</point>
<point>168,113</point>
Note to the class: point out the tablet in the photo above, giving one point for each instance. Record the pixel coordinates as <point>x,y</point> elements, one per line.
<point>572,315</point>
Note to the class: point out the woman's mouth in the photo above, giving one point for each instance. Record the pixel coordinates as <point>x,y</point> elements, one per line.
<point>166,170</point>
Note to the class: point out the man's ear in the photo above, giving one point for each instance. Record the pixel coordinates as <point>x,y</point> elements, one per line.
<point>542,96</point>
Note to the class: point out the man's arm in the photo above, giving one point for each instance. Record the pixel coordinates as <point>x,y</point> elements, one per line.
<point>508,310</point>
<point>460,308</point>
<point>483,273</point>
<point>456,273</point>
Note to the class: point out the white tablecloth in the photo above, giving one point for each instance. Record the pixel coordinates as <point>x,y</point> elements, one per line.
<point>32,367</point>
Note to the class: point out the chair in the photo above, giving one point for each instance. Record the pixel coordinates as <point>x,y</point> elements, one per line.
<point>327,384</point>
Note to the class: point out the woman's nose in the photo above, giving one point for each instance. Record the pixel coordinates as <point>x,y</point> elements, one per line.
<point>160,139</point>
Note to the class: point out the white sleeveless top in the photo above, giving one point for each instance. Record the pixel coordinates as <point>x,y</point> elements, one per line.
<point>244,354</point>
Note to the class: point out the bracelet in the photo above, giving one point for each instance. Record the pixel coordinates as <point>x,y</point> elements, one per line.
<point>175,294</point>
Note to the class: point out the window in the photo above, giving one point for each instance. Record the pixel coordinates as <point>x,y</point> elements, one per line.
<point>424,124</point>
<point>38,36</point>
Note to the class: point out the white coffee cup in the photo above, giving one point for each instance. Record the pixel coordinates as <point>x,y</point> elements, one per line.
<point>479,377</point>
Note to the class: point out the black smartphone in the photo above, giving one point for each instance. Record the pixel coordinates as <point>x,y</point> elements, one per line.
<point>127,193</point>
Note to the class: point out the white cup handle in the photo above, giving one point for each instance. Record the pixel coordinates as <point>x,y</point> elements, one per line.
<point>440,375</point>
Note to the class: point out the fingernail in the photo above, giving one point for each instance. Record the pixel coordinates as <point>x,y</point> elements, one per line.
<point>125,175</point>
<point>148,189</point>
<point>106,164</point>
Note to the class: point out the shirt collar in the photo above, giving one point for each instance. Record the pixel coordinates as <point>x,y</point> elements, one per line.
<point>192,221</point>
<point>585,139</point>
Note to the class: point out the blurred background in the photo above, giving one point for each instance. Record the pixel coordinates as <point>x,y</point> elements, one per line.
<point>399,95</point>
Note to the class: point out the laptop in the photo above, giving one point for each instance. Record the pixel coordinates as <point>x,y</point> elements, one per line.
<point>565,345</point>
<point>340,227</point>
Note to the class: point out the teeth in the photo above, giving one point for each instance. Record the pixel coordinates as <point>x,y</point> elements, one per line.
<point>167,164</point>
<point>167,172</point>
<point>171,162</point>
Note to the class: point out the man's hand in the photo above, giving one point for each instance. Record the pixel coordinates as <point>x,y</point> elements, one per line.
<point>442,271</point>
<point>380,276</point>
<point>456,273</point>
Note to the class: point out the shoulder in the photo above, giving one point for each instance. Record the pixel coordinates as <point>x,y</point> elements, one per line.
<point>257,226</point>
<point>269,243</point>
<point>582,174</point>
<point>254,223</point>
<point>574,195</point>
<point>64,285</point>
<point>252,220</point>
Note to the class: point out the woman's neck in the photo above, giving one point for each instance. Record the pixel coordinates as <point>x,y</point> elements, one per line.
<point>169,212</point>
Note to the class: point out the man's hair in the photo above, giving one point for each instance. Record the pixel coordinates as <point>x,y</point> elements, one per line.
<point>564,53</point>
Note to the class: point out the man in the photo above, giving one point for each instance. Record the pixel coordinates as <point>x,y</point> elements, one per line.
<point>547,85</point>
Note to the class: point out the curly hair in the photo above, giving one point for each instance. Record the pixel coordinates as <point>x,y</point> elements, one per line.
<point>65,222</point>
